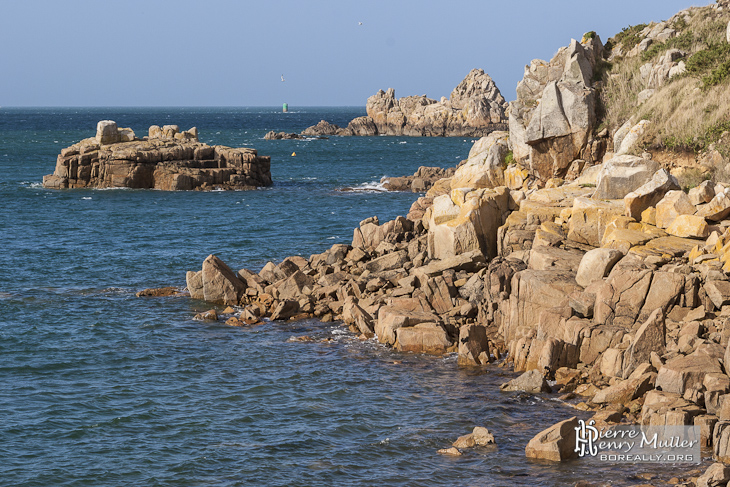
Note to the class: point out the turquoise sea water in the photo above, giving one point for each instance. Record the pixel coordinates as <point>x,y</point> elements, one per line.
<point>98,387</point>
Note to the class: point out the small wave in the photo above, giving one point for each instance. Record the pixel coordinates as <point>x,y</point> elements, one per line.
<point>31,184</point>
<point>371,187</point>
<point>403,142</point>
<point>86,198</point>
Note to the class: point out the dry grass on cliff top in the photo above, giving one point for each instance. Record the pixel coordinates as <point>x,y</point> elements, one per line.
<point>684,116</point>
<point>690,111</point>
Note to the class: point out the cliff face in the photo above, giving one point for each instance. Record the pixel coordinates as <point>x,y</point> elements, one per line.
<point>475,108</point>
<point>168,160</point>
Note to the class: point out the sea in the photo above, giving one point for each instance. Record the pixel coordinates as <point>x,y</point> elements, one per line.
<point>101,388</point>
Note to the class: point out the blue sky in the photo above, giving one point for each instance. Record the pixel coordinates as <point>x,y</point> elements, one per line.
<point>233,53</point>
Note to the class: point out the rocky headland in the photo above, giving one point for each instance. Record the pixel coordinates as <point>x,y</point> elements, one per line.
<point>474,109</point>
<point>166,159</point>
<point>572,248</point>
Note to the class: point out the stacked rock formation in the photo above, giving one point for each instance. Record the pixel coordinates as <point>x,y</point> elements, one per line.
<point>474,109</point>
<point>552,120</point>
<point>167,159</point>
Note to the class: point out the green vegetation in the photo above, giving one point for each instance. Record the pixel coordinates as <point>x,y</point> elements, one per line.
<point>683,41</point>
<point>509,159</point>
<point>717,76</point>
<point>705,60</point>
<point>683,117</point>
<point>679,24</point>
<point>589,35</point>
<point>628,37</point>
<point>696,143</point>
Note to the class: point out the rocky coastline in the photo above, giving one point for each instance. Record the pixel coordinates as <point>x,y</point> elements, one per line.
<point>475,108</point>
<point>559,248</point>
<point>166,159</point>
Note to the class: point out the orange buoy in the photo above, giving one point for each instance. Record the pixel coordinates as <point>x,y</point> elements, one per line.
<point>293,154</point>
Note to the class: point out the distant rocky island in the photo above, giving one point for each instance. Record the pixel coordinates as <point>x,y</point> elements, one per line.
<point>166,159</point>
<point>475,109</point>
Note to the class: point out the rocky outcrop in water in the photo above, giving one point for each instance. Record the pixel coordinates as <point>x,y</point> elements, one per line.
<point>281,136</point>
<point>474,109</point>
<point>420,182</point>
<point>166,159</point>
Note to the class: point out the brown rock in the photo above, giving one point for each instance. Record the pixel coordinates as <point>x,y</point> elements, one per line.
<point>158,292</point>
<point>531,381</point>
<point>285,310</point>
<point>220,283</point>
<point>649,194</point>
<point>716,475</point>
<point>210,315</point>
<point>718,292</point>
<point>673,204</point>
<point>721,442</point>
<point>439,294</point>
<point>556,443</point>
<point>427,338</point>
<point>294,286</point>
<point>625,391</point>
<point>651,337</point>
<point>402,312</point>
<point>473,345</point>
<point>195,284</point>
<point>717,209</point>
<point>168,160</point>
<point>686,372</point>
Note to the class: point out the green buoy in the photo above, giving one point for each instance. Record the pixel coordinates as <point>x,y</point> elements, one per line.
<point>286,108</point>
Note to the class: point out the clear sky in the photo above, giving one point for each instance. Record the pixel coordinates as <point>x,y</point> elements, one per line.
<point>233,53</point>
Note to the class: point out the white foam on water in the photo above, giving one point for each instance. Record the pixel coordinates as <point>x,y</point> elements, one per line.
<point>373,186</point>
<point>86,198</point>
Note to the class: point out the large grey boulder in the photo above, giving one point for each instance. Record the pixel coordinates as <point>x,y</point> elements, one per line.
<point>551,121</point>
<point>623,174</point>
